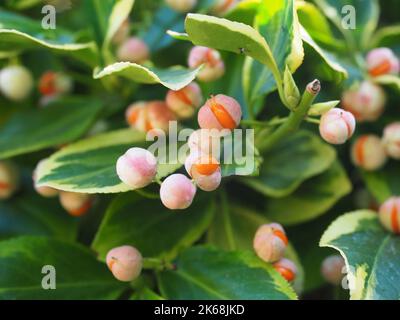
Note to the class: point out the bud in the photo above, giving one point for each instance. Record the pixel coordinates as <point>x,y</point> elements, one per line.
<point>54,83</point>
<point>182,5</point>
<point>184,102</point>
<point>122,32</point>
<point>222,7</point>
<point>9,179</point>
<point>177,192</point>
<point>146,116</point>
<point>391,140</point>
<point>220,112</point>
<point>368,152</point>
<point>286,268</point>
<point>205,170</point>
<point>137,167</point>
<point>389,214</point>
<point>332,269</point>
<point>133,50</point>
<point>76,204</point>
<point>44,191</point>
<point>366,101</point>
<point>382,61</point>
<point>270,242</point>
<point>207,141</point>
<point>16,82</point>
<point>337,126</point>
<point>125,263</point>
<point>213,66</point>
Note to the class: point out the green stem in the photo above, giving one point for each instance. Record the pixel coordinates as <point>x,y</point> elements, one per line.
<point>271,123</point>
<point>227,221</point>
<point>312,120</point>
<point>295,118</point>
<point>147,194</point>
<point>157,264</point>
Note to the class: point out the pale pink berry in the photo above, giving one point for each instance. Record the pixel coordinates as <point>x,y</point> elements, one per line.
<point>16,82</point>
<point>337,126</point>
<point>9,179</point>
<point>137,167</point>
<point>54,83</point>
<point>222,7</point>
<point>368,152</point>
<point>332,269</point>
<point>205,171</point>
<point>287,269</point>
<point>133,50</point>
<point>365,101</point>
<point>389,214</point>
<point>177,192</point>
<point>382,61</point>
<point>122,33</point>
<point>147,116</point>
<point>44,191</point>
<point>213,66</point>
<point>270,242</point>
<point>125,263</point>
<point>76,204</point>
<point>184,102</point>
<point>220,112</point>
<point>391,140</point>
<point>207,141</point>
<point>182,5</point>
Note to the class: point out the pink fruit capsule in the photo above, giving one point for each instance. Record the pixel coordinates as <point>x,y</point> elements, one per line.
<point>133,50</point>
<point>125,263</point>
<point>366,101</point>
<point>182,5</point>
<point>270,242</point>
<point>184,102</point>
<point>337,126</point>
<point>213,66</point>
<point>146,116</point>
<point>220,112</point>
<point>122,33</point>
<point>9,179</point>
<point>382,61</point>
<point>368,152</point>
<point>54,83</point>
<point>177,192</point>
<point>222,7</point>
<point>287,269</point>
<point>16,82</point>
<point>44,191</point>
<point>332,269</point>
<point>205,170</point>
<point>76,204</point>
<point>391,140</point>
<point>137,167</point>
<point>389,214</point>
<point>207,141</point>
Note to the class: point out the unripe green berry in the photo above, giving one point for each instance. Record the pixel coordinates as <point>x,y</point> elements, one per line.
<point>125,263</point>
<point>368,152</point>
<point>332,269</point>
<point>177,192</point>
<point>389,214</point>
<point>9,179</point>
<point>76,204</point>
<point>270,242</point>
<point>16,82</point>
<point>137,167</point>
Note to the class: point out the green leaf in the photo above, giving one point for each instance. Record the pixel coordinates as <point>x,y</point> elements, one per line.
<point>22,4</point>
<point>370,252</point>
<point>174,78</point>
<point>318,109</point>
<point>88,166</point>
<point>152,228</point>
<point>30,214</point>
<point>313,198</point>
<point>234,227</point>
<point>365,15</point>
<point>387,37</point>
<point>292,93</point>
<point>78,274</point>
<point>388,80</point>
<point>330,64</point>
<point>146,294</point>
<point>61,122</point>
<point>295,159</point>
<point>205,273</point>
<point>21,33</point>
<point>383,183</point>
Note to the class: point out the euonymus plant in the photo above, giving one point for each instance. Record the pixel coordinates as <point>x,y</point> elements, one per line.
<point>207,149</point>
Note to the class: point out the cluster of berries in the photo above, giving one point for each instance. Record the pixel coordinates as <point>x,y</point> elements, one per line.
<point>270,242</point>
